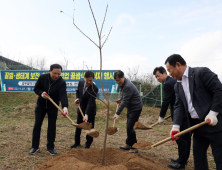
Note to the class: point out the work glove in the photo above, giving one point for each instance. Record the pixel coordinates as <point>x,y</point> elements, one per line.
<point>44,95</point>
<point>76,101</point>
<point>65,111</point>
<point>118,101</point>
<point>173,132</point>
<point>85,119</point>
<point>116,116</point>
<point>160,119</point>
<point>212,118</point>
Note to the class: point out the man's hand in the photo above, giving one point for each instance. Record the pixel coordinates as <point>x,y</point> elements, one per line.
<point>212,118</point>
<point>65,111</point>
<point>85,119</point>
<point>160,119</point>
<point>173,132</point>
<point>116,116</point>
<point>118,101</point>
<point>76,101</point>
<point>44,95</point>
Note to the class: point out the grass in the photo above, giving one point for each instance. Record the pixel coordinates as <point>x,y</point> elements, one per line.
<point>17,120</point>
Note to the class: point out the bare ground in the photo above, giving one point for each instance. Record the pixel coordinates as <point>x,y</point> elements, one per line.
<point>16,125</point>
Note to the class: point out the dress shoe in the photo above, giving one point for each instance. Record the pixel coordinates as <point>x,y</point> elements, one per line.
<point>176,166</point>
<point>87,146</point>
<point>125,147</point>
<point>75,146</point>
<point>33,151</point>
<point>133,150</point>
<point>52,152</point>
<point>174,160</point>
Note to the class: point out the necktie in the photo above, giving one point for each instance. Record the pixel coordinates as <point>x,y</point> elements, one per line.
<point>84,88</point>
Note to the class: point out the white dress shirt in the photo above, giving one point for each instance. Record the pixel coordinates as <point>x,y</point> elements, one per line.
<point>186,89</point>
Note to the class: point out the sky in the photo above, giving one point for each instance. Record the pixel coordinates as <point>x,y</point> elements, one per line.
<point>144,33</point>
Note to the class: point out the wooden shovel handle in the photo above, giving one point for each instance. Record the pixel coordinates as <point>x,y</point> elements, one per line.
<point>158,122</point>
<point>61,110</point>
<point>80,111</point>
<point>182,133</point>
<point>114,120</point>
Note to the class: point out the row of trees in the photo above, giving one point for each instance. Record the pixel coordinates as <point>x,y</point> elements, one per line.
<point>144,81</point>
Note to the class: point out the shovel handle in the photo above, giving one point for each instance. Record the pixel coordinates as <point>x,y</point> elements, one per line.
<point>81,111</point>
<point>61,110</point>
<point>181,133</point>
<point>114,120</point>
<point>158,122</point>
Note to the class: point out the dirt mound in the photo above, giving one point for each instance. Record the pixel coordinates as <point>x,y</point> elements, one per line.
<point>115,159</point>
<point>139,125</point>
<point>143,145</point>
<point>112,130</point>
<point>85,125</point>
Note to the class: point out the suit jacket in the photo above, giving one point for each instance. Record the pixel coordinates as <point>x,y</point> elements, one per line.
<point>206,94</point>
<point>131,98</point>
<point>88,100</point>
<point>168,96</point>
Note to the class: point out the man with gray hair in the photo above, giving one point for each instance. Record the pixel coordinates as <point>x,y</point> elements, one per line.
<point>132,101</point>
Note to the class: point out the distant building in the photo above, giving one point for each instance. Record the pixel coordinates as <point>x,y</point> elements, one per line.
<point>7,64</point>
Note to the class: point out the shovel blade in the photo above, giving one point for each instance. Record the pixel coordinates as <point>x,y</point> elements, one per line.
<point>140,126</point>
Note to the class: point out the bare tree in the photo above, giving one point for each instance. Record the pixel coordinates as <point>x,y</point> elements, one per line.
<point>65,61</point>
<point>100,46</point>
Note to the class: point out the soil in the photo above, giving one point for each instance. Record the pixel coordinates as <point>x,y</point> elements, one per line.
<point>112,130</point>
<point>143,145</point>
<point>85,125</point>
<point>115,159</point>
<point>139,125</point>
<point>94,134</point>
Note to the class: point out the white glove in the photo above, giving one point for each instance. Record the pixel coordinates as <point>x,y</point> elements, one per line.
<point>213,119</point>
<point>43,95</point>
<point>65,111</point>
<point>116,116</point>
<point>86,118</point>
<point>160,119</point>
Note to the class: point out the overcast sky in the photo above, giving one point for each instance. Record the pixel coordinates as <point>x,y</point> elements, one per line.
<point>144,32</point>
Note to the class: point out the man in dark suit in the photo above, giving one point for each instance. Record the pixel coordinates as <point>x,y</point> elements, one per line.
<point>169,99</point>
<point>86,94</point>
<point>132,101</point>
<point>51,84</point>
<point>198,97</point>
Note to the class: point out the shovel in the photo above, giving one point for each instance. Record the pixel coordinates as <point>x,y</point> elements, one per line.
<point>147,145</point>
<point>91,132</point>
<point>73,123</point>
<point>140,126</point>
<point>113,130</point>
<point>158,122</point>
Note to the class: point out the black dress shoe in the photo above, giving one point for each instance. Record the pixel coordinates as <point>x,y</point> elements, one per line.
<point>33,151</point>
<point>87,146</point>
<point>75,146</point>
<point>176,166</point>
<point>52,152</point>
<point>174,160</point>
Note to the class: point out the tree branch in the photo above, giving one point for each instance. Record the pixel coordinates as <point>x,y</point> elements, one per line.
<point>103,22</point>
<point>83,33</point>
<point>94,19</point>
<point>106,37</point>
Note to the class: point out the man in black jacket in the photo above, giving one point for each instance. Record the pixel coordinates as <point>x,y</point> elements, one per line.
<point>132,101</point>
<point>198,97</point>
<point>86,94</point>
<point>53,85</point>
<point>169,99</point>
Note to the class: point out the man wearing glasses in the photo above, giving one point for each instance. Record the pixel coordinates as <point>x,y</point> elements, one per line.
<point>51,84</point>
